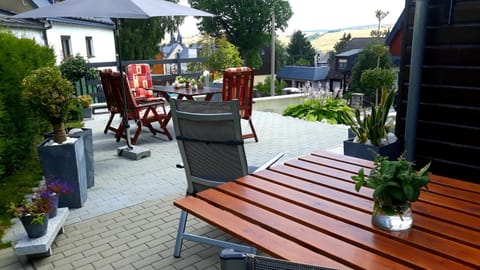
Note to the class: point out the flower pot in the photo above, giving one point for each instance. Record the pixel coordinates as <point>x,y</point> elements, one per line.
<point>54,205</point>
<point>398,222</point>
<point>87,112</point>
<point>360,150</point>
<point>34,230</point>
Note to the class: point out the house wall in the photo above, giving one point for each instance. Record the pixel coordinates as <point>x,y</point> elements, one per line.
<point>36,35</point>
<point>103,41</point>
<point>448,131</point>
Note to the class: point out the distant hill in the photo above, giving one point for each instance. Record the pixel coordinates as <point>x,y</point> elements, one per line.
<point>324,41</point>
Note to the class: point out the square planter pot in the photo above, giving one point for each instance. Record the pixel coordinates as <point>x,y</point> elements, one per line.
<point>86,135</point>
<point>360,150</point>
<point>67,163</point>
<point>87,113</point>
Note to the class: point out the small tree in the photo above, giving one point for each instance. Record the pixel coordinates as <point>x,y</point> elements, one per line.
<point>220,55</point>
<point>300,48</point>
<point>264,87</point>
<point>49,95</point>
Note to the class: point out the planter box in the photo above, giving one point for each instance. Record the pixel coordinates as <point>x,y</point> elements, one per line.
<point>86,135</point>
<point>87,113</point>
<point>66,162</point>
<point>360,150</point>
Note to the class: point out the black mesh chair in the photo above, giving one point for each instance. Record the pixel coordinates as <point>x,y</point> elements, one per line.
<point>234,260</point>
<point>210,141</point>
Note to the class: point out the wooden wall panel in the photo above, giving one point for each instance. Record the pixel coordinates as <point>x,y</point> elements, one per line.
<point>448,131</point>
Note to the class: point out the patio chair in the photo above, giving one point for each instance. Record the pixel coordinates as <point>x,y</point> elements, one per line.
<point>238,84</point>
<point>112,107</point>
<point>144,114</point>
<point>234,260</point>
<point>139,79</point>
<point>210,142</point>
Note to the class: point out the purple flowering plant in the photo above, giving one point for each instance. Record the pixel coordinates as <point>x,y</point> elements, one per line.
<point>57,186</point>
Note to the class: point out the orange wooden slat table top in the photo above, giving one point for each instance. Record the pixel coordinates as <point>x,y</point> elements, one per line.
<point>307,210</point>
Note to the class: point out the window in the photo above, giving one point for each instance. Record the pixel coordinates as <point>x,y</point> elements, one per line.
<point>89,44</point>
<point>342,64</point>
<point>66,46</point>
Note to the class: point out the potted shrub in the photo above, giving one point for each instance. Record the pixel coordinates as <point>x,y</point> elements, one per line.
<point>85,101</point>
<point>396,185</point>
<point>33,214</point>
<point>48,95</point>
<point>372,131</point>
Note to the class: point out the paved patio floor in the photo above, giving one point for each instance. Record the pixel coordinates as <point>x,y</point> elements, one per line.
<point>129,221</point>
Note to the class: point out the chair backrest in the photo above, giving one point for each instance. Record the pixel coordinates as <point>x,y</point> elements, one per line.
<point>238,84</point>
<point>107,90</point>
<point>116,87</point>
<point>210,142</point>
<point>139,78</point>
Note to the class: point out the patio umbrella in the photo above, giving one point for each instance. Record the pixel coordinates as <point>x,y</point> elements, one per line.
<point>114,9</point>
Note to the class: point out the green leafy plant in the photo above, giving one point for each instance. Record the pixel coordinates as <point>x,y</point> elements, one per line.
<point>395,183</point>
<point>49,95</point>
<point>75,68</point>
<point>329,110</point>
<point>373,126</point>
<point>35,208</point>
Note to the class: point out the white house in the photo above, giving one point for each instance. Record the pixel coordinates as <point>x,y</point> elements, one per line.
<point>176,49</point>
<point>92,38</point>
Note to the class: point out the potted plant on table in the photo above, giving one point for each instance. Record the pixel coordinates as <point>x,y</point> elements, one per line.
<point>49,95</point>
<point>85,101</point>
<point>33,214</point>
<point>396,185</point>
<point>372,131</point>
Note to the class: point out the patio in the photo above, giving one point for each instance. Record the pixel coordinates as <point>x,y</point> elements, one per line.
<point>128,220</point>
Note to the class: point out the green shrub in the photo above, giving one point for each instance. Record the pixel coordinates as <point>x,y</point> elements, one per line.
<point>264,87</point>
<point>327,109</point>
<point>17,58</point>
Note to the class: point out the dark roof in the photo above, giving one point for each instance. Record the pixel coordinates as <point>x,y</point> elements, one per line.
<point>357,43</point>
<point>349,53</point>
<point>5,20</point>
<point>304,73</point>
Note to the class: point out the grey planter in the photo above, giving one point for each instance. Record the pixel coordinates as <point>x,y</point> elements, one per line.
<point>87,112</point>
<point>360,150</point>
<point>86,135</point>
<point>67,163</point>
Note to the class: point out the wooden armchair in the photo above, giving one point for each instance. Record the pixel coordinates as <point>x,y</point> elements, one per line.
<point>144,114</point>
<point>238,84</point>
<point>112,105</point>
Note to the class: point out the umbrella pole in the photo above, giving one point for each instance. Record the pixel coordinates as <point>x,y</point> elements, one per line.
<point>129,150</point>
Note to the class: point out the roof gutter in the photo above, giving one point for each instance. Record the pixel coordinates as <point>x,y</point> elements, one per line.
<point>415,77</point>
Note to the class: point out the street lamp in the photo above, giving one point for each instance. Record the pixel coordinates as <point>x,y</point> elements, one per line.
<point>272,57</point>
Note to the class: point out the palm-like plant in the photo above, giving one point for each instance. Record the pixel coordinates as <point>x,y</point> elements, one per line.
<point>375,126</point>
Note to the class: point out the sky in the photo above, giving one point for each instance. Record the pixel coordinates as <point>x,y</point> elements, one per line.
<point>326,14</point>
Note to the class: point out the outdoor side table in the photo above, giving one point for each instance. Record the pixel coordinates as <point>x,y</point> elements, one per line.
<point>41,246</point>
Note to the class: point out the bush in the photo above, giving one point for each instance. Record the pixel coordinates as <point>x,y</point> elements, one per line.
<point>327,109</point>
<point>19,57</point>
<point>265,86</point>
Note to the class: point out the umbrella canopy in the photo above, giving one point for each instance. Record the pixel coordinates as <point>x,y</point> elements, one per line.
<point>128,9</point>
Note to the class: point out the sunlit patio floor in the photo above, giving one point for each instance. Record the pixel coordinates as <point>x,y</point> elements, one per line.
<point>128,220</point>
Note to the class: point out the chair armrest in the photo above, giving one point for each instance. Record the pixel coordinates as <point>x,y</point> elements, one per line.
<point>149,104</point>
<point>270,162</point>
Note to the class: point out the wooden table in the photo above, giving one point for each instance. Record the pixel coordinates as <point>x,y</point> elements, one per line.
<point>186,93</point>
<point>182,92</point>
<point>308,211</point>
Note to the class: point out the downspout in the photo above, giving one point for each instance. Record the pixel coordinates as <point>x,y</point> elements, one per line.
<point>415,77</point>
